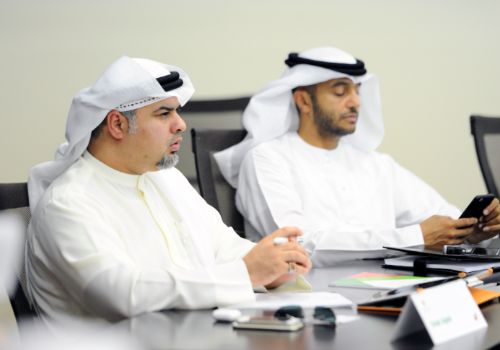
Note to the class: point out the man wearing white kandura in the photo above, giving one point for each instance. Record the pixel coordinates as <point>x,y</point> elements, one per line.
<point>309,160</point>
<point>117,231</point>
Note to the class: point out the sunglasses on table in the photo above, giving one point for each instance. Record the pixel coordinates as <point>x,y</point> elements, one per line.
<point>322,315</point>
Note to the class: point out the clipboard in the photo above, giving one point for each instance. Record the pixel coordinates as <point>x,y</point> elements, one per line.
<point>388,305</point>
<point>392,304</point>
<point>422,265</point>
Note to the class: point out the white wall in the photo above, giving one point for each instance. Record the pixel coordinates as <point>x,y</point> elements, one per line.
<point>438,62</point>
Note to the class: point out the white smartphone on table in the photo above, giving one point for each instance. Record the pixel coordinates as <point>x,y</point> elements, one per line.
<point>271,323</point>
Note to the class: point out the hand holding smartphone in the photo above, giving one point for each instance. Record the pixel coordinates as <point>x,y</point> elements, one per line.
<point>477,205</point>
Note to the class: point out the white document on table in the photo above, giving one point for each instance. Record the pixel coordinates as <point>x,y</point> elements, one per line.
<point>273,301</point>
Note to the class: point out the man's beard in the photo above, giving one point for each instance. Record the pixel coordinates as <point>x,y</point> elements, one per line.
<point>168,161</point>
<point>325,122</point>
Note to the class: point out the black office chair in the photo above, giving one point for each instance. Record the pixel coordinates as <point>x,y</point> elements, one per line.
<point>15,196</point>
<point>207,114</point>
<point>486,132</point>
<point>212,185</point>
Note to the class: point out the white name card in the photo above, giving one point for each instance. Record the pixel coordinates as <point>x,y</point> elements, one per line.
<point>447,311</point>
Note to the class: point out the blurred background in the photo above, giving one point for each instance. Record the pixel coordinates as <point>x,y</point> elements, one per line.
<point>437,61</point>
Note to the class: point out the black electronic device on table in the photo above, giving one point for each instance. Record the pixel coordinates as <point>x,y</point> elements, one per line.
<point>477,205</point>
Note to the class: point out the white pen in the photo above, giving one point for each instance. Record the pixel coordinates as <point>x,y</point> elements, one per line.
<point>282,240</point>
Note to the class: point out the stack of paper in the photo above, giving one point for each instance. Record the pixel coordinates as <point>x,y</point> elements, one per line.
<point>443,264</point>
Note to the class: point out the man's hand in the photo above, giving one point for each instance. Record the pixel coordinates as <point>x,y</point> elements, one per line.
<point>489,223</point>
<point>440,230</point>
<point>268,263</point>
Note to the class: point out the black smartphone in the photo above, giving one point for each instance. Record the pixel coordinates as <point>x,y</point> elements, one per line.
<point>477,205</point>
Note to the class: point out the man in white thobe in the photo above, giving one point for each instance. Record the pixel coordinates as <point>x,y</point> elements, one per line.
<point>309,160</point>
<point>117,231</point>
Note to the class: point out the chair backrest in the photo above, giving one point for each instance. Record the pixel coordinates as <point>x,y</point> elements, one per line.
<point>14,200</point>
<point>13,195</point>
<point>486,132</point>
<point>207,114</point>
<point>212,185</point>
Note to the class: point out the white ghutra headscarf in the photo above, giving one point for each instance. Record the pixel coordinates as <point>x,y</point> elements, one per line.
<point>272,112</point>
<point>128,83</point>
